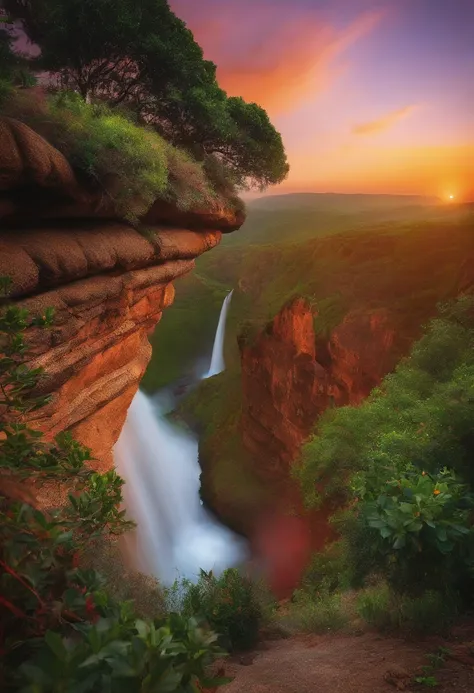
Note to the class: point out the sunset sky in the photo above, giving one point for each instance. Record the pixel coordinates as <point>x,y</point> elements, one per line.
<point>369,95</point>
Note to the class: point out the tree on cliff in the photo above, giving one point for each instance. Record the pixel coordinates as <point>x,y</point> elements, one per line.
<point>143,57</point>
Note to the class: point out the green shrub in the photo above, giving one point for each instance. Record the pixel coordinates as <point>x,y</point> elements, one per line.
<point>318,613</point>
<point>375,607</point>
<point>227,603</point>
<point>380,606</point>
<point>132,164</point>
<point>327,570</point>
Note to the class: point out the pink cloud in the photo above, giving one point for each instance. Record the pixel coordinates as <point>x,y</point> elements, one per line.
<point>274,55</point>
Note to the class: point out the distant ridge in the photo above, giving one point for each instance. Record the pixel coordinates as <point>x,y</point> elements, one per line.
<point>342,201</point>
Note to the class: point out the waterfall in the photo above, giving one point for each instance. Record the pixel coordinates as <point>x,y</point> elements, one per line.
<point>175,535</point>
<point>217,359</point>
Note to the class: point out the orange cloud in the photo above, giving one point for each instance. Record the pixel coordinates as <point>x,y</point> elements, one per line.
<point>383,123</point>
<point>267,54</point>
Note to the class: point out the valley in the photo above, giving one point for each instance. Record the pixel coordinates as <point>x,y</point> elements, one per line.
<point>367,292</point>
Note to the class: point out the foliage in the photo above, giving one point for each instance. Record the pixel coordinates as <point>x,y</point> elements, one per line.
<point>329,312</point>
<point>227,603</point>
<point>387,610</point>
<point>131,164</point>
<point>146,59</point>
<point>320,612</point>
<point>403,460</point>
<point>327,570</point>
<point>60,630</point>
<point>428,681</point>
<point>122,654</point>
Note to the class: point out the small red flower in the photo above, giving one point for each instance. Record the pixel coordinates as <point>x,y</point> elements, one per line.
<point>90,609</point>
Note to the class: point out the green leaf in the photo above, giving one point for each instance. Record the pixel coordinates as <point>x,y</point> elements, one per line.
<point>55,643</point>
<point>399,542</point>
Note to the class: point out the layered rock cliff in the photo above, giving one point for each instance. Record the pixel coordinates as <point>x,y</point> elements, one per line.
<point>65,248</point>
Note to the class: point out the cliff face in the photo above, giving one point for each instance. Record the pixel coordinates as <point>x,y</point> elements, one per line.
<point>107,283</point>
<point>285,389</point>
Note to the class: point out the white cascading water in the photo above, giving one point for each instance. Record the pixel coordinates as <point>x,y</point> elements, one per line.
<point>217,358</point>
<point>175,536</point>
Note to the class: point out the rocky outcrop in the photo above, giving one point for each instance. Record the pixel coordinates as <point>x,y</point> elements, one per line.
<point>285,389</point>
<point>37,182</point>
<point>361,354</point>
<point>107,283</point>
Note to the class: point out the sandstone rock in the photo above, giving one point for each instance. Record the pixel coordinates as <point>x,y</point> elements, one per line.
<point>64,246</point>
<point>223,218</point>
<point>108,286</point>
<point>26,159</point>
<point>53,256</point>
<point>284,389</point>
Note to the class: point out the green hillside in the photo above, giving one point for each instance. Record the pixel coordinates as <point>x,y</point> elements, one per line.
<point>337,265</point>
<point>300,216</point>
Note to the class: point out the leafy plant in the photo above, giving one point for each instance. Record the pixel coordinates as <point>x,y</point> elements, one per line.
<point>428,681</point>
<point>227,603</point>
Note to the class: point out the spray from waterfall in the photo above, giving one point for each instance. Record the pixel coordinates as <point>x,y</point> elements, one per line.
<point>217,358</point>
<point>159,462</point>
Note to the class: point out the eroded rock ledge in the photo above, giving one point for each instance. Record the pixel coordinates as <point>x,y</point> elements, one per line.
<point>107,283</point>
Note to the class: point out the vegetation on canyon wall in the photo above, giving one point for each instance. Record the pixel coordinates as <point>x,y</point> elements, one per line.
<point>61,630</point>
<point>133,165</point>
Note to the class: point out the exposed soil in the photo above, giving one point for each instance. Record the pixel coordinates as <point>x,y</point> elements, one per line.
<point>366,663</point>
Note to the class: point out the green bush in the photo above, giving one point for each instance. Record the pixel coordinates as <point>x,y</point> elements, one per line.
<point>227,603</point>
<point>316,613</point>
<point>61,631</point>
<point>327,570</point>
<point>429,613</point>
<point>132,164</point>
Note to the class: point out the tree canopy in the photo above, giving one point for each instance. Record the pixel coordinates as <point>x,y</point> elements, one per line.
<point>143,57</point>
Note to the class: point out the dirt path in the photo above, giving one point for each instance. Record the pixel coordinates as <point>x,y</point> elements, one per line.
<point>368,663</point>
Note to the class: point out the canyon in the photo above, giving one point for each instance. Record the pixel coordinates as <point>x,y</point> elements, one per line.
<point>65,247</point>
<point>288,370</point>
